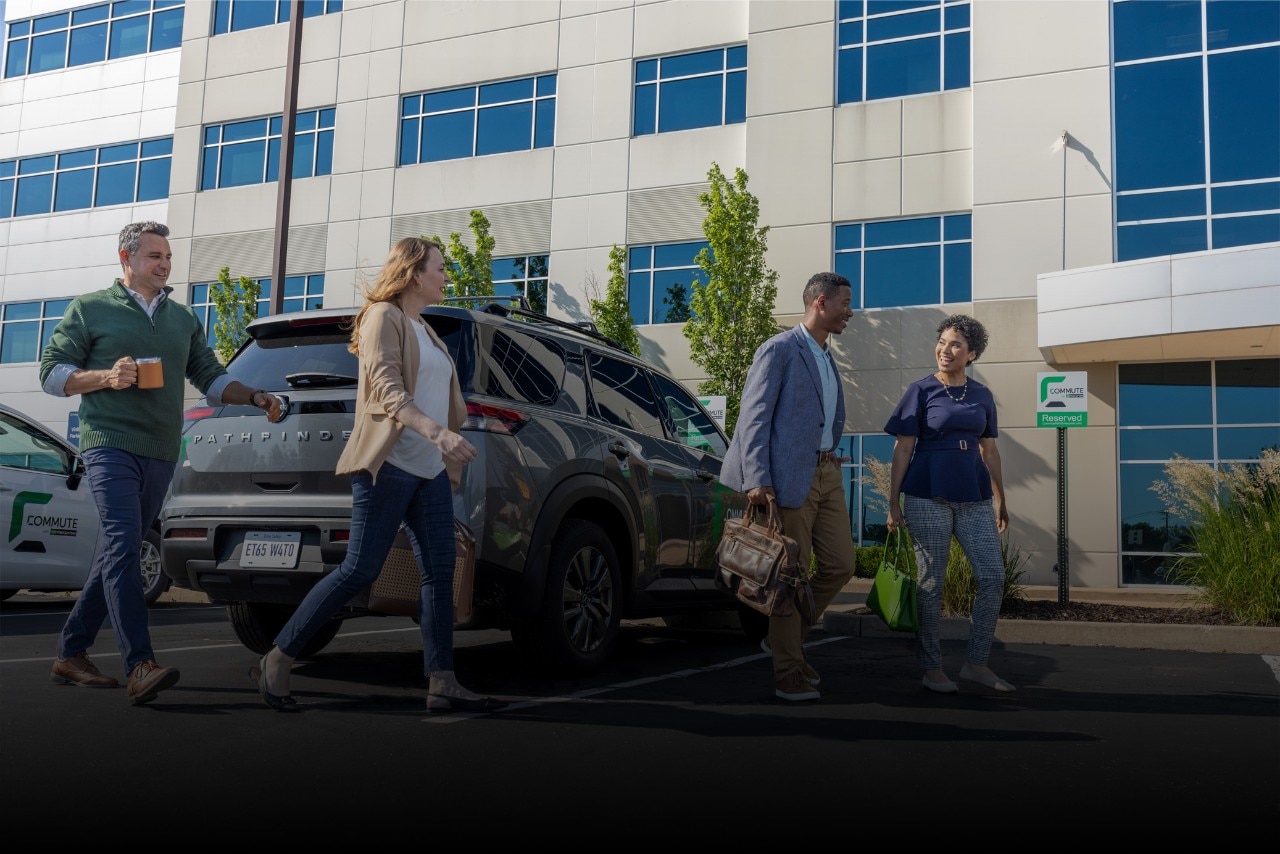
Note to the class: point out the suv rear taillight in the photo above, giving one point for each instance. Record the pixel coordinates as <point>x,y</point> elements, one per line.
<point>197,413</point>
<point>493,419</point>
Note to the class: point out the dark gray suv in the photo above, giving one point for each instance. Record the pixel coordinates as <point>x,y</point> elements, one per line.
<point>595,497</point>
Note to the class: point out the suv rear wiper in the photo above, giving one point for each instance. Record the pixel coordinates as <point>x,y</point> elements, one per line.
<point>316,379</point>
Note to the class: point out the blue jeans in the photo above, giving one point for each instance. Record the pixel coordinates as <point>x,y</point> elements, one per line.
<point>377,509</point>
<point>129,491</point>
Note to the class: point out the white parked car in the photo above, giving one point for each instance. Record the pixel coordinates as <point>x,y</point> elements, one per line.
<point>49,520</point>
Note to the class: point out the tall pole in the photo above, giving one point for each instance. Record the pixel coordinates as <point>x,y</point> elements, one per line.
<point>280,252</point>
<point>1064,550</point>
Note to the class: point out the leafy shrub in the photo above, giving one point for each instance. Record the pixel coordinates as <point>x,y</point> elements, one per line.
<point>1234,514</point>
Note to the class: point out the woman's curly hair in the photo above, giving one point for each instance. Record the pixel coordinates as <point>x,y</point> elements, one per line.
<point>975,334</point>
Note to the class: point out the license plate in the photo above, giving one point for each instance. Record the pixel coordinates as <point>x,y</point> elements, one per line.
<point>271,549</point>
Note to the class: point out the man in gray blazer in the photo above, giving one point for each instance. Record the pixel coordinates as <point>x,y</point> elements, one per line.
<point>784,450</point>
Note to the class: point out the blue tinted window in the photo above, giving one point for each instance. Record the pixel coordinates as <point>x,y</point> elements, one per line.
<point>15,60</point>
<point>1217,96</point>
<point>1248,391</point>
<point>1194,443</point>
<point>509,115</point>
<point>1246,443</point>
<point>903,68</point>
<point>1151,28</point>
<point>897,232</point>
<point>48,52</point>
<point>849,79</point>
<point>25,328</point>
<point>75,190</point>
<point>898,50</point>
<point>694,90</point>
<point>897,277</point>
<point>645,117</point>
<point>248,152</point>
<point>1176,203</point>
<point>957,61</point>
<point>1165,394</point>
<point>1245,392</point>
<point>660,280</point>
<point>116,184</point>
<point>506,128</point>
<point>1245,230</point>
<point>129,36</point>
<point>1159,125</point>
<point>957,272</point>
<point>1164,238</point>
<point>1234,23</point>
<point>35,195</point>
<point>153,179</point>
<point>166,30</point>
<point>1247,197</point>
<point>88,44</point>
<point>511,90</point>
<point>893,263</point>
<point>248,14</point>
<point>684,103</point>
<point>447,136</point>
<point>1244,114</point>
<point>243,163</point>
<point>86,178</point>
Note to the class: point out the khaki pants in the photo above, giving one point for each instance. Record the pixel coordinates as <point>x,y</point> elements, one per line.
<point>821,526</point>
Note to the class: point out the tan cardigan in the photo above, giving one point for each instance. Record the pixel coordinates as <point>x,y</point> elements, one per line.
<point>389,360</point>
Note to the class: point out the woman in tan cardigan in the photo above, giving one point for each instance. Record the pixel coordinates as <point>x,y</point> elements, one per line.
<point>404,457</point>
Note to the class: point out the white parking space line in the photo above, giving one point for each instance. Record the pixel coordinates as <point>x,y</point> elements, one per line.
<point>1274,662</point>
<point>588,693</point>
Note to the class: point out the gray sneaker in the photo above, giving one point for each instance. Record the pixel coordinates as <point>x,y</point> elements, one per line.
<point>810,675</point>
<point>794,687</point>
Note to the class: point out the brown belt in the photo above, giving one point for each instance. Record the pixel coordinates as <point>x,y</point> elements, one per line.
<point>827,457</point>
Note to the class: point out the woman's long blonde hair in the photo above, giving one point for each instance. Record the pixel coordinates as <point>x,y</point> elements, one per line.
<point>405,259</point>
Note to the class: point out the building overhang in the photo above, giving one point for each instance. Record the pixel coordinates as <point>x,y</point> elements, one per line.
<point>1221,304</point>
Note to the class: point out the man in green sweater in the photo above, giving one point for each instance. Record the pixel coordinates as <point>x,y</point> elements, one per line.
<point>130,438</point>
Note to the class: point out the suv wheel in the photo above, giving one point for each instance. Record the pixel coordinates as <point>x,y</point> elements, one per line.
<point>154,581</point>
<point>257,624</point>
<point>578,627</point>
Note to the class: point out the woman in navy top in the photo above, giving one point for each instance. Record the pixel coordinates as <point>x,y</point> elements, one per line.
<point>946,480</point>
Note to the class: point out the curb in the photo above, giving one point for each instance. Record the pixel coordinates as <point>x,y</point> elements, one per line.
<point>1240,640</point>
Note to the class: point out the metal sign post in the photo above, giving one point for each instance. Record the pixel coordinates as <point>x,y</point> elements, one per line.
<point>1062,402</point>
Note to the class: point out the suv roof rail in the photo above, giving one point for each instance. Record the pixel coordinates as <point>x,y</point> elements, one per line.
<point>582,327</point>
<point>494,299</point>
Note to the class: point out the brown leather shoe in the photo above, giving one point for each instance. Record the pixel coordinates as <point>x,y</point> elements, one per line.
<point>78,670</point>
<point>148,679</point>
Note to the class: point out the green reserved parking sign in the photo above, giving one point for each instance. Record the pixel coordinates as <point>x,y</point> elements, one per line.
<point>1062,399</point>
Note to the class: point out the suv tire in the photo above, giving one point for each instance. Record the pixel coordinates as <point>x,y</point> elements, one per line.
<point>154,580</point>
<point>577,628</point>
<point>256,625</point>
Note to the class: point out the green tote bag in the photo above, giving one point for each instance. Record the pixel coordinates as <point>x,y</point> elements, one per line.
<point>893,594</point>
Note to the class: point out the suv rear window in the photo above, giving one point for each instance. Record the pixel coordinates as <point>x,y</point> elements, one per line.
<point>321,359</point>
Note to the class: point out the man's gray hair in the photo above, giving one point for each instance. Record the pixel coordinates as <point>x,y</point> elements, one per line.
<point>132,233</point>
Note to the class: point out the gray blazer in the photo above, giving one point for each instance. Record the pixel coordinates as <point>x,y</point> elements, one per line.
<point>779,430</point>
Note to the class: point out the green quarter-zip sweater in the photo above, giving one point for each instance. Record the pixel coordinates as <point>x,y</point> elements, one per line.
<point>102,326</point>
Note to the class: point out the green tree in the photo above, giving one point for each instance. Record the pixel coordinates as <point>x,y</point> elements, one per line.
<point>470,273</point>
<point>235,305</point>
<point>612,313</point>
<point>732,310</point>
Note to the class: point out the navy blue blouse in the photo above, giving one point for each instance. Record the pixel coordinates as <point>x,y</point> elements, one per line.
<point>946,463</point>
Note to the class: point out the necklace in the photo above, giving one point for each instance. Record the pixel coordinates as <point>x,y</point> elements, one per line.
<point>964,390</point>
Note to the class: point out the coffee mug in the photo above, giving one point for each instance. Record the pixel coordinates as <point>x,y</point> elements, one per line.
<point>150,372</point>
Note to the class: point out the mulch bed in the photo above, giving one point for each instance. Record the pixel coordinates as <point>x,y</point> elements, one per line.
<point>1099,612</point>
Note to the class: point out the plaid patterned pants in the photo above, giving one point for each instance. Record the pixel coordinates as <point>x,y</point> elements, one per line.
<point>932,521</point>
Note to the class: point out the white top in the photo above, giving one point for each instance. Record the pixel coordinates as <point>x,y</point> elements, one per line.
<point>415,453</point>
